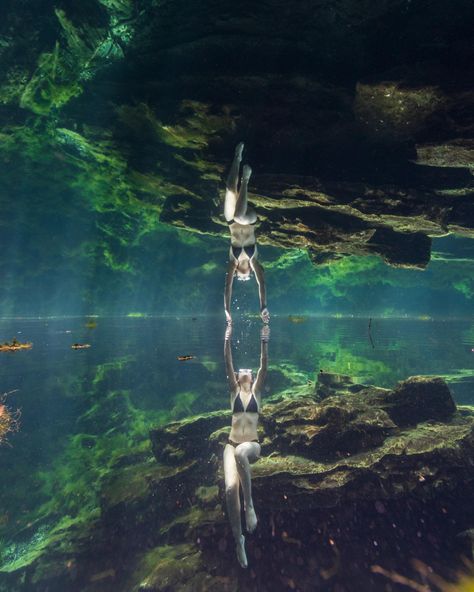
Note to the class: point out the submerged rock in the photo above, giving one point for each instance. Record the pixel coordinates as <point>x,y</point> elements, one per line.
<point>186,439</point>
<point>331,383</point>
<point>342,480</point>
<point>359,466</point>
<point>420,398</point>
<point>335,427</point>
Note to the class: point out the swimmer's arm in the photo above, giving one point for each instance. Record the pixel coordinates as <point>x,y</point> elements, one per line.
<point>228,288</point>
<point>262,371</point>
<point>229,366</point>
<point>259,276</point>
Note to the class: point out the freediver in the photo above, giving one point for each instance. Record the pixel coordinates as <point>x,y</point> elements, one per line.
<point>243,447</point>
<point>243,250</point>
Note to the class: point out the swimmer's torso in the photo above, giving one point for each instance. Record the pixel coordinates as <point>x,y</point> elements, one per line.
<point>244,423</point>
<point>241,235</point>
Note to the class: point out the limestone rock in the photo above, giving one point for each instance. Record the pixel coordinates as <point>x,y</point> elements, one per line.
<point>330,383</point>
<point>362,465</point>
<point>417,399</point>
<point>336,427</point>
<point>185,439</point>
<point>455,153</point>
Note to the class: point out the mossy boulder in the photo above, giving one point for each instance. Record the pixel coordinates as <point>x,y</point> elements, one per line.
<point>185,439</point>
<point>417,399</point>
<point>335,427</point>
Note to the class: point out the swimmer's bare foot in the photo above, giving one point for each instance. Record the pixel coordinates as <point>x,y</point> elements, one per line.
<point>246,172</point>
<point>240,550</point>
<point>238,150</point>
<point>250,519</point>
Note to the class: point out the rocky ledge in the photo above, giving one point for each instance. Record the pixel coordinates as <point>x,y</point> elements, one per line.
<point>351,476</point>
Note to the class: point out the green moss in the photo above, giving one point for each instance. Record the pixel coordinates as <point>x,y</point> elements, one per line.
<point>207,495</point>
<point>76,57</point>
<point>466,287</point>
<point>52,86</point>
<point>173,564</point>
<point>209,267</point>
<point>199,125</point>
<point>130,483</point>
<point>14,85</point>
<point>209,364</point>
<point>350,280</point>
<point>183,403</point>
<point>102,370</point>
<point>113,432</point>
<point>34,543</point>
<point>192,519</point>
<point>291,373</point>
<point>288,259</point>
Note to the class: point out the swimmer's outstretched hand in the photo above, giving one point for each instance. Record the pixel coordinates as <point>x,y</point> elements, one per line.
<point>265,315</point>
<point>265,333</point>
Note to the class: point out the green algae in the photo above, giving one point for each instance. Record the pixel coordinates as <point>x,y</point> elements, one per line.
<point>209,364</point>
<point>343,361</point>
<point>166,566</point>
<point>129,483</point>
<point>111,445</point>
<point>346,281</point>
<point>199,125</point>
<point>291,373</point>
<point>78,54</point>
<point>24,553</point>
<point>207,495</point>
<point>183,404</point>
<point>194,518</point>
<point>44,91</point>
<point>112,430</point>
<point>117,365</point>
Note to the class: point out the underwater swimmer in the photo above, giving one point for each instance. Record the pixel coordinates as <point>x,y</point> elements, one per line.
<point>243,250</point>
<point>243,447</point>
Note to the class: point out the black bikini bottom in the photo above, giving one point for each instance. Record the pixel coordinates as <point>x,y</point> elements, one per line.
<point>235,444</point>
<point>249,250</point>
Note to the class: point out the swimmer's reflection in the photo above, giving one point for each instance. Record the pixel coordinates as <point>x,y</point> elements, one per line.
<point>241,219</point>
<point>243,447</point>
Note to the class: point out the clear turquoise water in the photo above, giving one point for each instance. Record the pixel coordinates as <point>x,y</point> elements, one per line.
<point>57,387</point>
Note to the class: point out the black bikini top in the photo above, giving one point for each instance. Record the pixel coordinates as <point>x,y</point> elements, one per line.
<point>252,406</point>
<point>249,250</point>
<point>230,222</point>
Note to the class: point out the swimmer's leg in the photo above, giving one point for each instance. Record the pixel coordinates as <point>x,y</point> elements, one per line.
<point>247,453</point>
<point>243,214</point>
<point>232,483</point>
<point>232,184</point>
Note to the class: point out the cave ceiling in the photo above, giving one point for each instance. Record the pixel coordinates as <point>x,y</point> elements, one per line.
<point>357,115</point>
